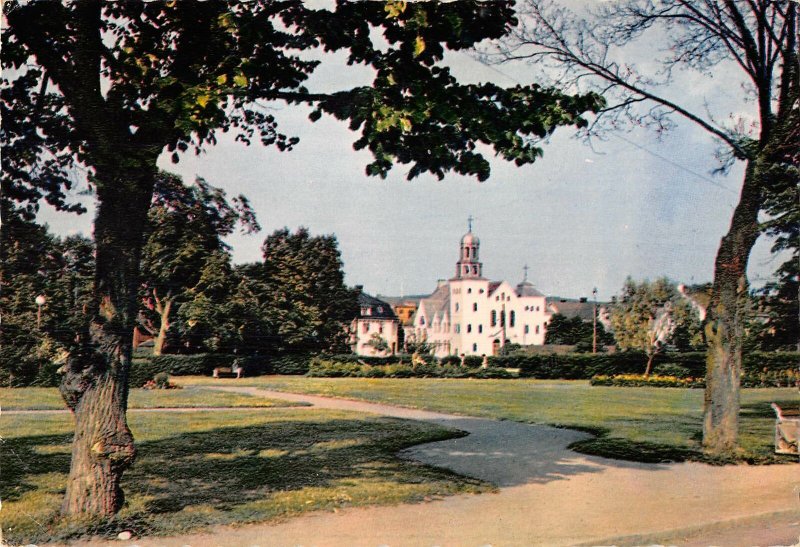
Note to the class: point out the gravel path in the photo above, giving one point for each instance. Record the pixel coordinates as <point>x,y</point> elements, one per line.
<point>549,495</point>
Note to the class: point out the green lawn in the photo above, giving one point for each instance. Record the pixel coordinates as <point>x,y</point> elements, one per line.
<point>199,469</point>
<point>39,398</point>
<point>643,424</point>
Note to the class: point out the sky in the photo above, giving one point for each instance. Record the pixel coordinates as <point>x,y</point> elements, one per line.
<point>580,217</point>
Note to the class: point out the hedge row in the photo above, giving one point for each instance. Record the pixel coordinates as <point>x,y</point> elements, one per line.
<point>577,366</point>
<point>327,368</point>
<point>203,364</point>
<point>639,380</point>
<point>760,368</point>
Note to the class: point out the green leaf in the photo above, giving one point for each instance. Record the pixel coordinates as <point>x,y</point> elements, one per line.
<point>240,80</point>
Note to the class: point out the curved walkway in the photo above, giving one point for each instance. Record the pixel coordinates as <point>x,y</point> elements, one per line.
<point>549,495</point>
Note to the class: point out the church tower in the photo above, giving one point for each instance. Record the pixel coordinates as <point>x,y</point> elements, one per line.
<point>468,266</point>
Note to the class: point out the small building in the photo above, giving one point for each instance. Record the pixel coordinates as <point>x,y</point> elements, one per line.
<point>375,331</point>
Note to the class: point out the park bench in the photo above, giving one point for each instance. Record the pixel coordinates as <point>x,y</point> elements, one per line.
<point>228,372</point>
<point>787,426</point>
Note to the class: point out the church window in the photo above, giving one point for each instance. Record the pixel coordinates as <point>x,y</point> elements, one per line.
<point>458,328</point>
<point>512,316</point>
<point>475,269</point>
<point>527,329</point>
<point>466,269</point>
<point>474,347</point>
<point>380,329</point>
<point>480,328</point>
<point>503,296</point>
<point>422,320</point>
<point>469,327</point>
<point>502,318</point>
<point>537,329</point>
<point>457,306</point>
<point>475,306</point>
<point>469,291</point>
<point>494,318</point>
<point>365,327</point>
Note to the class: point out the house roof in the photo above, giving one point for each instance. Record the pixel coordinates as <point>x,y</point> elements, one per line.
<point>570,307</point>
<point>378,308</point>
<point>526,288</point>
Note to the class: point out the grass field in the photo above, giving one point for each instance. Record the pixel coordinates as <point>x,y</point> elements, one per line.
<point>642,424</point>
<point>39,398</point>
<point>196,469</point>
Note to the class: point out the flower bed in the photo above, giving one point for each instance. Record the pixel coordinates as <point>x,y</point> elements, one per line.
<point>640,380</point>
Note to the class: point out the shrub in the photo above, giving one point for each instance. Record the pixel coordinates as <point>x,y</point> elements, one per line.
<point>671,369</point>
<point>142,371</point>
<point>161,380</point>
<point>450,360</point>
<point>293,363</point>
<point>473,361</point>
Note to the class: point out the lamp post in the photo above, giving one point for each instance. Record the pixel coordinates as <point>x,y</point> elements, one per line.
<point>594,321</point>
<point>40,301</point>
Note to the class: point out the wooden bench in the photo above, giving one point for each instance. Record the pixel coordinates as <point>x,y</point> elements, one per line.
<point>227,372</point>
<point>787,427</point>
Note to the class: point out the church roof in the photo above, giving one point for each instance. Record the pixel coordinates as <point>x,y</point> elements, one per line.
<point>470,239</point>
<point>526,288</point>
<point>438,302</point>
<point>378,309</point>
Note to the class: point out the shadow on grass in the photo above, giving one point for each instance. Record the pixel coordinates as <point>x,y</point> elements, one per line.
<point>22,460</point>
<point>245,474</point>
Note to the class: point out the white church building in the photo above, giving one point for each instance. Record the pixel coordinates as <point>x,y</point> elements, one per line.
<point>472,315</point>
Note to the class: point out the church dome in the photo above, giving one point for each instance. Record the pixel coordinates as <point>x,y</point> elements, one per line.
<point>470,239</point>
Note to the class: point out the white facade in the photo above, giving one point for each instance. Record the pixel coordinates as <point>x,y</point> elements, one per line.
<point>471,315</point>
<point>376,321</point>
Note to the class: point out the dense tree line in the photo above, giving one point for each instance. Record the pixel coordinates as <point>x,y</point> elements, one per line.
<point>195,300</point>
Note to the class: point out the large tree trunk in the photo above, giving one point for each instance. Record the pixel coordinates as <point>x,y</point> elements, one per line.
<point>95,383</point>
<point>726,316</point>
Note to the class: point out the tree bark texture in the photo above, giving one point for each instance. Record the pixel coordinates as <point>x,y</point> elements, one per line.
<point>95,383</point>
<point>163,308</point>
<point>726,316</point>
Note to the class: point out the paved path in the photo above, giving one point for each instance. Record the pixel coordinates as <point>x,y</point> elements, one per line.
<point>549,495</point>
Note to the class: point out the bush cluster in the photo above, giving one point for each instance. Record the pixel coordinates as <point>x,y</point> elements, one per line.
<point>329,368</point>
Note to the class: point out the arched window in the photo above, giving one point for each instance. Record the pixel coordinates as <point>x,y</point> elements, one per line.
<point>494,318</point>
<point>469,291</point>
<point>421,320</point>
<point>502,319</point>
<point>457,306</point>
<point>469,327</point>
<point>475,306</point>
<point>466,269</point>
<point>480,328</point>
<point>475,269</point>
<point>511,318</point>
<point>474,347</point>
<point>537,329</point>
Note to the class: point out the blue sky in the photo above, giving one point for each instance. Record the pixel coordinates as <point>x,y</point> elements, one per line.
<point>581,217</point>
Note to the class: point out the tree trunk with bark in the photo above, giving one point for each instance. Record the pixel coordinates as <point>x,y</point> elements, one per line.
<point>95,382</point>
<point>726,316</point>
<point>163,309</point>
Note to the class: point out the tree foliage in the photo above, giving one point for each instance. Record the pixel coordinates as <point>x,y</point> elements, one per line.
<point>184,234</point>
<point>573,331</point>
<point>651,316</point>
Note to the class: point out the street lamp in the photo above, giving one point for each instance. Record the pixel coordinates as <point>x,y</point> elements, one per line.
<point>40,301</point>
<point>594,321</point>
